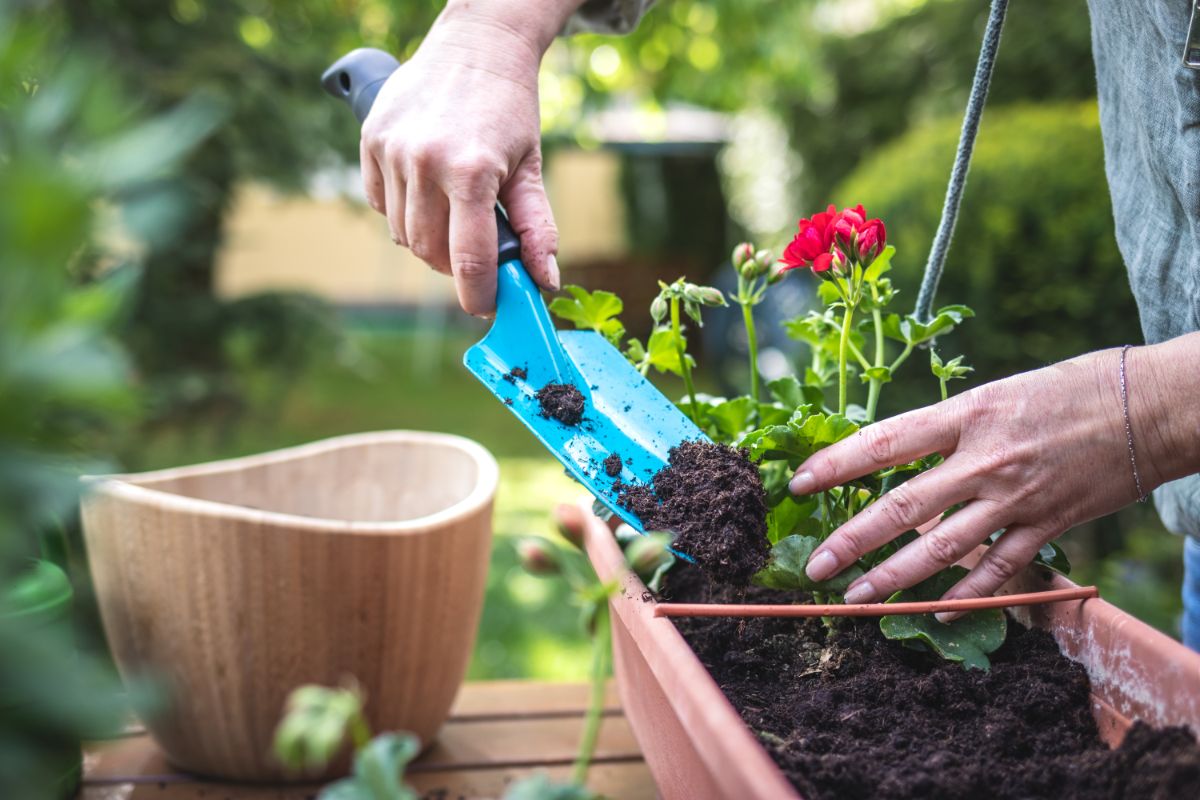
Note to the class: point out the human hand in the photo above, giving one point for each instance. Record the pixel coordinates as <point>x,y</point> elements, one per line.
<point>453,130</point>
<point>1034,454</point>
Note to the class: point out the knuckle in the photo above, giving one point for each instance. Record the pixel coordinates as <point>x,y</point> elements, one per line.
<point>900,508</point>
<point>421,248</point>
<point>879,442</point>
<point>471,268</point>
<point>846,544</point>
<point>999,566</point>
<point>940,546</point>
<point>473,176</point>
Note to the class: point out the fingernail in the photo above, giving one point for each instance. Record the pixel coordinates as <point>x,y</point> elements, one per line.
<point>802,483</point>
<point>862,592</point>
<point>946,617</point>
<point>552,268</point>
<point>821,566</point>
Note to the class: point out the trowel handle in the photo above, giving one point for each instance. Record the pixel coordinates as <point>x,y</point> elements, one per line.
<point>357,78</point>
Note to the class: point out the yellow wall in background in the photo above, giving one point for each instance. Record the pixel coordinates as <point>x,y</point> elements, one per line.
<point>340,249</point>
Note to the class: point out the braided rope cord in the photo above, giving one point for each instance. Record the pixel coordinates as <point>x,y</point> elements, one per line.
<point>962,160</point>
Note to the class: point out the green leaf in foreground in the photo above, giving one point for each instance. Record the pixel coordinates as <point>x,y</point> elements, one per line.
<point>595,311</point>
<point>378,771</point>
<point>785,569</point>
<point>967,640</point>
<point>540,787</point>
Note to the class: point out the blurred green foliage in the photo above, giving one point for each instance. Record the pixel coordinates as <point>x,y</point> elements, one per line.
<point>1033,253</point>
<point>82,170</point>
<point>261,59</point>
<point>918,67</point>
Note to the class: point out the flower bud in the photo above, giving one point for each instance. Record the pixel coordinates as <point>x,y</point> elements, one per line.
<point>741,254</point>
<point>538,557</point>
<point>710,296</point>
<point>659,308</point>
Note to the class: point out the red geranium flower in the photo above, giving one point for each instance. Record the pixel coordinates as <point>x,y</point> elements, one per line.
<point>813,242</point>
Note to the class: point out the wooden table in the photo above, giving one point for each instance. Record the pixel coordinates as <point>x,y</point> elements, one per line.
<point>498,732</point>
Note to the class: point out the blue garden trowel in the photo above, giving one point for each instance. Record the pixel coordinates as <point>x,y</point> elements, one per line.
<point>623,412</point>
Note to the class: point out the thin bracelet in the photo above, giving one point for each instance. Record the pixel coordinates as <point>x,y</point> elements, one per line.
<point>1137,479</point>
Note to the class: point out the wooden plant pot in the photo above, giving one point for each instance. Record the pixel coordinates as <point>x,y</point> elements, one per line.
<point>697,746</point>
<point>362,556</point>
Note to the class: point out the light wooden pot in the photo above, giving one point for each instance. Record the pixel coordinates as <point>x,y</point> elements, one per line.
<point>236,581</point>
<point>698,747</point>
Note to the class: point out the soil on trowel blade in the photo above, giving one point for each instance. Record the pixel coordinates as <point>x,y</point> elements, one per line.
<point>516,372</point>
<point>561,401</point>
<point>711,497</point>
<point>857,716</point>
<point>612,465</point>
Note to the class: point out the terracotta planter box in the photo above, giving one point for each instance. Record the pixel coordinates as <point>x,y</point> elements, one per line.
<point>698,747</point>
<point>239,580</point>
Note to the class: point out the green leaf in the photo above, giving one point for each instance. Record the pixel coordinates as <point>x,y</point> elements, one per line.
<point>881,264</point>
<point>828,292</point>
<point>881,374</point>
<point>663,354</point>
<point>595,311</point>
<point>378,770</point>
<point>804,434</point>
<point>911,330</point>
<point>732,418</point>
<point>785,569</point>
<point>540,787</point>
<point>967,640</point>
<point>789,516</point>
<point>314,726</point>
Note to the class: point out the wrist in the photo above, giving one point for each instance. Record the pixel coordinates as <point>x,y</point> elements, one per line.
<point>1162,383</point>
<point>535,23</point>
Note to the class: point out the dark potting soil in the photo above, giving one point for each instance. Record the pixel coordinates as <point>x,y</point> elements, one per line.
<point>516,372</point>
<point>857,716</point>
<point>612,465</point>
<point>712,498</point>
<point>561,401</point>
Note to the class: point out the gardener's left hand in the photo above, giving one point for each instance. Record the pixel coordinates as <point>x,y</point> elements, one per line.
<point>1034,454</point>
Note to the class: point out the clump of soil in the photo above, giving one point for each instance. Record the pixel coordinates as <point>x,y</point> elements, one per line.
<point>612,465</point>
<point>712,498</point>
<point>857,716</point>
<point>516,372</point>
<point>561,401</point>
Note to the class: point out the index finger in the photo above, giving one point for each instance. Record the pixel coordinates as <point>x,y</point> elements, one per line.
<point>897,440</point>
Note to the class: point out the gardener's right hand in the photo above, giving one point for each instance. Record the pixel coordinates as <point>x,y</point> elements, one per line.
<point>456,128</point>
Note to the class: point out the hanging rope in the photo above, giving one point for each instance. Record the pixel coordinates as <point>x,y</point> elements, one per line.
<point>962,160</point>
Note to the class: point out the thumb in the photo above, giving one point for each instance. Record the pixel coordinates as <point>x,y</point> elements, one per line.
<point>524,198</point>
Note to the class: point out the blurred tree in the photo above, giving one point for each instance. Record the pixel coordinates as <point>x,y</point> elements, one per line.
<point>919,67</point>
<point>1033,253</point>
<point>262,59</point>
<point>86,181</point>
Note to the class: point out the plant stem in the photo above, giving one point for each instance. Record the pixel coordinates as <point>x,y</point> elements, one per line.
<point>752,346</point>
<point>601,646</point>
<point>908,348</point>
<point>684,369</point>
<point>858,356</point>
<point>842,353</point>
<point>945,394</point>
<point>876,384</point>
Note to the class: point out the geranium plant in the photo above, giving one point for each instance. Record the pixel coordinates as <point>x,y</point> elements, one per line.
<point>856,344</point>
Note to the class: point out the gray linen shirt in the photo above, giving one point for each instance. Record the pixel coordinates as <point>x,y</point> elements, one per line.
<point>1150,120</point>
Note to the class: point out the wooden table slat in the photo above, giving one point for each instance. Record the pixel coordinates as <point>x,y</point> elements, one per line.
<point>501,731</point>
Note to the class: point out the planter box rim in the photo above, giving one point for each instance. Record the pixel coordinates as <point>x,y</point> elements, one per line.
<point>130,486</point>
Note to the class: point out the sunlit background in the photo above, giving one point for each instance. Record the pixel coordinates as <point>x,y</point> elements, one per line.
<point>178,165</point>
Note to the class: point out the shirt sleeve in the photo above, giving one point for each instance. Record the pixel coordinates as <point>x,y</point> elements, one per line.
<point>607,16</point>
